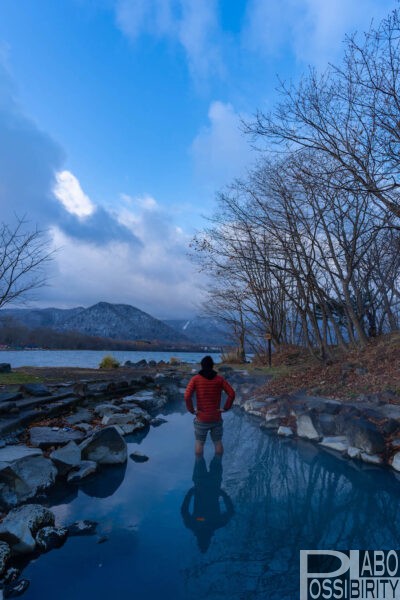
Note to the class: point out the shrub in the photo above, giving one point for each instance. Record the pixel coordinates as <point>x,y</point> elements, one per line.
<point>174,361</point>
<point>233,356</point>
<point>109,362</point>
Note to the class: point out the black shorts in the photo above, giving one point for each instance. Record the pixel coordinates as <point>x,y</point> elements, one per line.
<point>201,429</point>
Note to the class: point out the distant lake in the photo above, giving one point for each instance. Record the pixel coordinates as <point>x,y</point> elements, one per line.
<point>91,358</point>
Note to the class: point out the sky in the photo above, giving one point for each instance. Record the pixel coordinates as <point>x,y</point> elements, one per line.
<point>121,119</point>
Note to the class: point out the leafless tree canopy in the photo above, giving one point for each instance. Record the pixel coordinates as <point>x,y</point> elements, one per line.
<point>309,241</point>
<point>23,257</point>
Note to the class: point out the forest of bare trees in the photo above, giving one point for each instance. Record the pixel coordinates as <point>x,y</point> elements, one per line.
<point>306,246</point>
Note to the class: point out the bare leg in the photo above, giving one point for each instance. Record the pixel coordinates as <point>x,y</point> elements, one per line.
<point>198,448</point>
<point>219,449</point>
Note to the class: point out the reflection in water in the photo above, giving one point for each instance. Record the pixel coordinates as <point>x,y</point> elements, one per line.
<point>208,513</point>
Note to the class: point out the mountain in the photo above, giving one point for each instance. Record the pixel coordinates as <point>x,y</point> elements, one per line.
<point>115,321</point>
<point>40,317</point>
<point>202,330</point>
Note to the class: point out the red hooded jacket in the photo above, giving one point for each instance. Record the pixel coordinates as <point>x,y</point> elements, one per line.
<point>208,391</point>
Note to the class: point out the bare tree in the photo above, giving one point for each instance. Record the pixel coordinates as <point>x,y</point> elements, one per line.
<point>23,257</point>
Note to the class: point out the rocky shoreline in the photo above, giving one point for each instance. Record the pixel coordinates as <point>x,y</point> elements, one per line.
<point>366,429</point>
<point>64,433</point>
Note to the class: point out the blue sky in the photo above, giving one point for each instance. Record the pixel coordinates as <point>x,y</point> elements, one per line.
<point>120,119</point>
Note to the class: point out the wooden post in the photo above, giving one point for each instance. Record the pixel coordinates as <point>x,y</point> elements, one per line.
<point>268,336</point>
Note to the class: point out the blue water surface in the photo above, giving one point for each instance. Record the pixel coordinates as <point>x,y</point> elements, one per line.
<point>181,529</point>
<point>91,358</point>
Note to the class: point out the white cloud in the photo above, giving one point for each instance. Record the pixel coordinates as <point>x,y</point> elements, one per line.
<point>68,191</point>
<point>220,150</point>
<point>191,23</point>
<point>312,29</point>
<point>156,276</point>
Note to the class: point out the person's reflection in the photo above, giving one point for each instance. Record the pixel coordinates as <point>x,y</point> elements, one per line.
<point>207,514</point>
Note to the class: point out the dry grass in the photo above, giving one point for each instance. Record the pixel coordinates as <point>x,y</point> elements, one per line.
<point>375,368</point>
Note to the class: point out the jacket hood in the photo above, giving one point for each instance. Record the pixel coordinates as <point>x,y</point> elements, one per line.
<point>208,374</point>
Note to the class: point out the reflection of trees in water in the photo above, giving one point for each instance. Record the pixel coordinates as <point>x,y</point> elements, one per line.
<point>288,496</point>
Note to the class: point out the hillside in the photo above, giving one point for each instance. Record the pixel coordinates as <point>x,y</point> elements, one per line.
<point>373,369</point>
<point>202,330</point>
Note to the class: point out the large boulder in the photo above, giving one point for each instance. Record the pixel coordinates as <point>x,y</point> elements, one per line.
<point>20,526</point>
<point>45,437</point>
<point>5,368</point>
<point>365,435</point>
<point>106,446</point>
<point>306,428</point>
<point>66,457</point>
<point>36,471</point>
<point>24,477</point>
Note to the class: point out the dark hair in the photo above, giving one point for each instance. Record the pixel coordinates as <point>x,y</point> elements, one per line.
<point>207,363</point>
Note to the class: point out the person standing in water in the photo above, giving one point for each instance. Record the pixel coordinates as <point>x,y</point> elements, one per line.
<point>208,387</point>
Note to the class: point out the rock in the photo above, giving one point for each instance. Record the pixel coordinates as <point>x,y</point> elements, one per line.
<point>141,363</point>
<point>11,574</point>
<point>35,389</point>
<point>353,452</point>
<point>86,427</point>
<point>49,538</point>
<point>10,396</point>
<point>338,443</point>
<point>106,446</point>
<point>66,457</point>
<point>254,407</point>
<point>81,389</point>
<point>285,431</point>
<point>5,553</point>
<point>146,399</point>
<point>5,368</point>
<point>119,419</point>
<point>365,435</point>
<point>106,409</point>
<point>224,369</point>
<point>372,459</point>
<point>85,468</point>
<point>306,429</point>
<point>13,489</point>
<point>152,363</point>
<point>396,461</point>
<point>129,428</point>
<point>44,437</point>
<point>21,524</point>
<point>14,452</point>
<point>271,422</point>
<point>138,457</point>
<point>327,424</point>
<point>16,588</point>
<point>157,421</point>
<point>8,407</point>
<point>391,411</point>
<point>84,527</point>
<point>37,472</point>
<point>83,414</point>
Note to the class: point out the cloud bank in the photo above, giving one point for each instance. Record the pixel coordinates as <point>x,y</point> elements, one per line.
<point>132,255</point>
